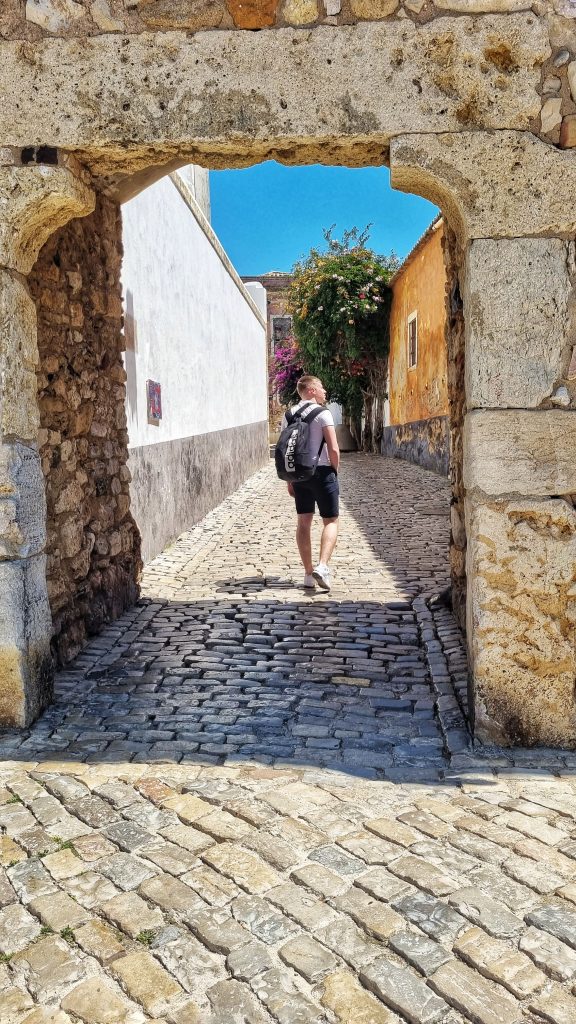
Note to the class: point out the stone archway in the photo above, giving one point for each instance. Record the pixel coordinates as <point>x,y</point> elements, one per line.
<point>456,105</point>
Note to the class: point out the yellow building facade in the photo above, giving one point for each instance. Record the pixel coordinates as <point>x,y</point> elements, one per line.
<point>417,424</point>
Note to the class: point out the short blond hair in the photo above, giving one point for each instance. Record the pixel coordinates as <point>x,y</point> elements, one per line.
<point>305,382</point>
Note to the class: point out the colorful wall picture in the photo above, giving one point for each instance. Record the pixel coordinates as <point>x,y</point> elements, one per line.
<point>154,401</point>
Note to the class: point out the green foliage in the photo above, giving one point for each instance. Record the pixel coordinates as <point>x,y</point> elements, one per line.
<point>340,301</point>
<point>146,937</point>
<point>68,935</point>
<point>285,369</point>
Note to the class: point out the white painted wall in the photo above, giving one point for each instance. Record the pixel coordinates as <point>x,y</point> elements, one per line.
<point>190,324</point>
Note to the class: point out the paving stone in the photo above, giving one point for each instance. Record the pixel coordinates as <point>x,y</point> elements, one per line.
<point>377,918</point>
<point>303,907</point>
<point>558,921</point>
<point>43,1016</point>
<point>93,846</point>
<point>93,811</point>
<point>170,858</point>
<point>13,1003</point>
<point>549,953</point>
<point>218,930</point>
<point>497,961</point>
<point>275,851</point>
<point>10,851</point>
<point>17,929</point>
<point>64,864</point>
<point>146,981</point>
<point>420,952</point>
<point>125,871</point>
<point>338,860</point>
<point>480,1000</point>
<point>308,957</point>
<point>285,1002</point>
<point>351,943</point>
<point>222,825</point>
<point>437,920</point>
<point>188,808</point>
<point>99,1001</point>
<point>30,879</point>
<point>394,831</point>
<point>382,884</point>
<point>131,914</point>
<point>320,880</point>
<point>403,991</point>
<point>128,836</point>
<point>249,960</point>
<point>100,940</point>
<point>58,911</point>
<point>7,893</point>
<point>48,966</point>
<point>369,848</point>
<point>215,889</point>
<point>230,999</point>
<point>188,838</point>
<point>262,920</point>
<point>248,871</point>
<point>343,994</point>
<point>555,1005</point>
<point>173,896</point>
<point>489,913</point>
<point>90,889</point>
<point>193,966</point>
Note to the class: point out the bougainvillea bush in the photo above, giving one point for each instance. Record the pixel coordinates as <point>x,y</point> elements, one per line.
<point>285,368</point>
<point>340,301</point>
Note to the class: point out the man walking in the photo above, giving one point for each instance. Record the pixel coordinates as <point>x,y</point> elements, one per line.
<point>321,489</point>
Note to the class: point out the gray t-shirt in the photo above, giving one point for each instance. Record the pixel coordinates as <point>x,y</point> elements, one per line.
<point>324,419</point>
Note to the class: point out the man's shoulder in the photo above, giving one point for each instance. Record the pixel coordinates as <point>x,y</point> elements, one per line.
<point>326,418</point>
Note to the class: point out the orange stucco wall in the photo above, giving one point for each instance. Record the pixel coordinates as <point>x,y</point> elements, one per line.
<point>422,392</point>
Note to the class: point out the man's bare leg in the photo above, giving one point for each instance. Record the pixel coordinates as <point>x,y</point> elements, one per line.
<point>304,540</point>
<point>328,539</point>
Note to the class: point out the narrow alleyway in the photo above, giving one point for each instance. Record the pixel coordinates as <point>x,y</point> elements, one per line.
<point>252,805</point>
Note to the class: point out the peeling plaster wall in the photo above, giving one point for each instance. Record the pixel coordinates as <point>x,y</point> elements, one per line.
<point>93,544</point>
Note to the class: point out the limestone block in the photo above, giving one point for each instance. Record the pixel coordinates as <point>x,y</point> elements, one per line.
<point>19,415</point>
<point>213,88</point>
<point>568,132</point>
<point>183,14</point>
<point>522,620</point>
<point>518,451</point>
<point>516,320</point>
<point>484,6</point>
<point>252,13</point>
<point>373,9</point>
<point>22,502</point>
<point>26,670</point>
<point>102,16</point>
<point>300,12</point>
<point>54,15</point>
<point>464,174</point>
<point>36,200</point>
<point>551,115</point>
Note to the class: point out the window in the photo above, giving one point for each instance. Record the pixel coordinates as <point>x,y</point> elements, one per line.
<point>281,330</point>
<point>412,340</point>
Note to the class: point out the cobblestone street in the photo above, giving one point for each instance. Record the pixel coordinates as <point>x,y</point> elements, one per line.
<point>254,805</point>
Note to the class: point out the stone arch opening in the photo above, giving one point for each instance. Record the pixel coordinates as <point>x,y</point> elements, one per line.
<point>458,106</point>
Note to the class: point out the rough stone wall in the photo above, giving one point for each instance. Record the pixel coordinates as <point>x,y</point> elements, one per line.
<point>93,545</point>
<point>424,442</point>
<point>455,343</point>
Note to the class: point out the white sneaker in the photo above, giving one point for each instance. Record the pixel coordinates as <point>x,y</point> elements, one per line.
<point>322,576</point>
<point>309,581</point>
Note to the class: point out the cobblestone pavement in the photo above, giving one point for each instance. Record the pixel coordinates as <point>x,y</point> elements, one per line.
<point>250,805</point>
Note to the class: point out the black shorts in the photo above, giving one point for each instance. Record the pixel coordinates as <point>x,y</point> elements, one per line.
<point>322,489</point>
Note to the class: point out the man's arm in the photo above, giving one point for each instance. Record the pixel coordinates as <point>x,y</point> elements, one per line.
<point>332,446</point>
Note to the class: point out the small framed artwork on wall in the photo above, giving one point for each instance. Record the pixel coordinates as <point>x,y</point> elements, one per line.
<point>154,402</point>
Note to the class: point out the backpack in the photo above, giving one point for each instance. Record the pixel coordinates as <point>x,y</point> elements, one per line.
<point>294,457</point>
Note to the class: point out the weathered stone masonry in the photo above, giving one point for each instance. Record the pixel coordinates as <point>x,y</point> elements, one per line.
<point>93,546</point>
<point>472,102</point>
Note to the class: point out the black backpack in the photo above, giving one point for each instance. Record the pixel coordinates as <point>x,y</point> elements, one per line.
<point>296,461</point>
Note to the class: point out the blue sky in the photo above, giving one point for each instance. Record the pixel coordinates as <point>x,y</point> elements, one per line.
<point>268,216</point>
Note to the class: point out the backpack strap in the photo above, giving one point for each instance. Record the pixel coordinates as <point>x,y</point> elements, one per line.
<point>309,417</point>
<point>292,416</point>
